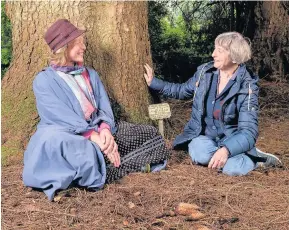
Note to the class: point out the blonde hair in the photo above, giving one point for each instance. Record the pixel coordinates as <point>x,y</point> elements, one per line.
<point>60,56</point>
<point>238,46</point>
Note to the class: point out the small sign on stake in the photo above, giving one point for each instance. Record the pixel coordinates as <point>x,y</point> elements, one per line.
<point>160,112</point>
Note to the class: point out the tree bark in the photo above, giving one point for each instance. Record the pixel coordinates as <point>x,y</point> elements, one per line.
<point>270,42</point>
<point>117,47</point>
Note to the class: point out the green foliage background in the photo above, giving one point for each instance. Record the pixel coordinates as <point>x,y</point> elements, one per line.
<point>182,34</point>
<point>6,41</point>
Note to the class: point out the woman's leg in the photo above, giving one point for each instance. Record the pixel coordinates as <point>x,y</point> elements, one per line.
<point>239,165</point>
<point>139,146</point>
<point>54,159</point>
<point>201,149</point>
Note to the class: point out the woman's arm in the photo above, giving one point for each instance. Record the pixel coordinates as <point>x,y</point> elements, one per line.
<point>173,90</point>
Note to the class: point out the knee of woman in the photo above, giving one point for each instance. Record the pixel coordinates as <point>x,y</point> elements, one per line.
<point>199,157</point>
<point>201,150</point>
<point>202,159</point>
<point>239,165</point>
<point>237,170</point>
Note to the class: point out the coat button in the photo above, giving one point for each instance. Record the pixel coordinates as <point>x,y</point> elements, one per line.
<point>214,127</point>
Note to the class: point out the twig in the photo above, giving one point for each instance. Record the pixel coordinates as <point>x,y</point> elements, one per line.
<point>272,221</point>
<point>44,211</point>
<point>162,209</point>
<point>282,222</point>
<point>166,204</point>
<point>235,185</point>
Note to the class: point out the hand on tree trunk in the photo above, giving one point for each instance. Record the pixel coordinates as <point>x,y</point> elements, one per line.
<point>148,75</point>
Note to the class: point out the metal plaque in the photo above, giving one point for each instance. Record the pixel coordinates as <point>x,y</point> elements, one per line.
<point>159,111</point>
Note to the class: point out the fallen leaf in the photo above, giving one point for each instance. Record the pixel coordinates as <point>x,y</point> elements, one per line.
<point>57,198</point>
<point>197,215</point>
<point>171,213</point>
<point>73,211</point>
<point>136,193</point>
<point>186,208</point>
<point>131,205</point>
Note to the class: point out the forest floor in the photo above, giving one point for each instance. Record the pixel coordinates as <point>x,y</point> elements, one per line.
<point>259,200</point>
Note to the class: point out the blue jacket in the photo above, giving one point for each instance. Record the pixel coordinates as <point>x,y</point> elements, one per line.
<point>239,112</point>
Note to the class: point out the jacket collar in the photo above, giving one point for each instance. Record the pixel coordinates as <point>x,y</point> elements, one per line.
<point>233,78</point>
<point>238,75</point>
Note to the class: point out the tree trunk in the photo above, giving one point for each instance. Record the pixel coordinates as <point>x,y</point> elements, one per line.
<point>270,42</point>
<point>117,47</point>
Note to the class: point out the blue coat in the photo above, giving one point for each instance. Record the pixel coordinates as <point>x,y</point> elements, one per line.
<point>239,112</point>
<point>57,153</point>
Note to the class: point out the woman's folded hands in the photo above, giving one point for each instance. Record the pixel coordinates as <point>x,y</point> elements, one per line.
<point>107,145</point>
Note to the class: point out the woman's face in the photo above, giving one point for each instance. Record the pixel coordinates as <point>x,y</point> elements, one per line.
<point>75,50</point>
<point>222,58</point>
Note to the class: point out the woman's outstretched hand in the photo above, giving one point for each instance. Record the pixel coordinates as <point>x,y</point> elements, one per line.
<point>148,75</point>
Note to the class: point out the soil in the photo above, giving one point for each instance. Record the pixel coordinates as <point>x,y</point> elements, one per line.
<point>259,200</point>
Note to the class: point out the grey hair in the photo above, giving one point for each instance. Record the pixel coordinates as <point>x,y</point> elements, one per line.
<point>238,46</point>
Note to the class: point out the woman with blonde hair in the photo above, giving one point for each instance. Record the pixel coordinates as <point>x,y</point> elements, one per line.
<point>77,141</point>
<point>223,128</point>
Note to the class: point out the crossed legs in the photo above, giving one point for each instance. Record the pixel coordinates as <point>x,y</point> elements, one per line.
<point>202,148</point>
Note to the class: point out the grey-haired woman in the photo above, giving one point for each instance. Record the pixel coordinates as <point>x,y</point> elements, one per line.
<point>223,128</point>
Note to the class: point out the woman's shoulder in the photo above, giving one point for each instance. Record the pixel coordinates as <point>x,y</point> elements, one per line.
<point>45,77</point>
<point>43,74</point>
<point>249,75</point>
<point>248,79</point>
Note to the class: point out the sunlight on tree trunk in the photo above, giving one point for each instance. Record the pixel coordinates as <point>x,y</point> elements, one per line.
<point>117,47</point>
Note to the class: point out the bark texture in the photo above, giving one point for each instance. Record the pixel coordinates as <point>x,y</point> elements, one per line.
<point>270,41</point>
<point>117,47</point>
